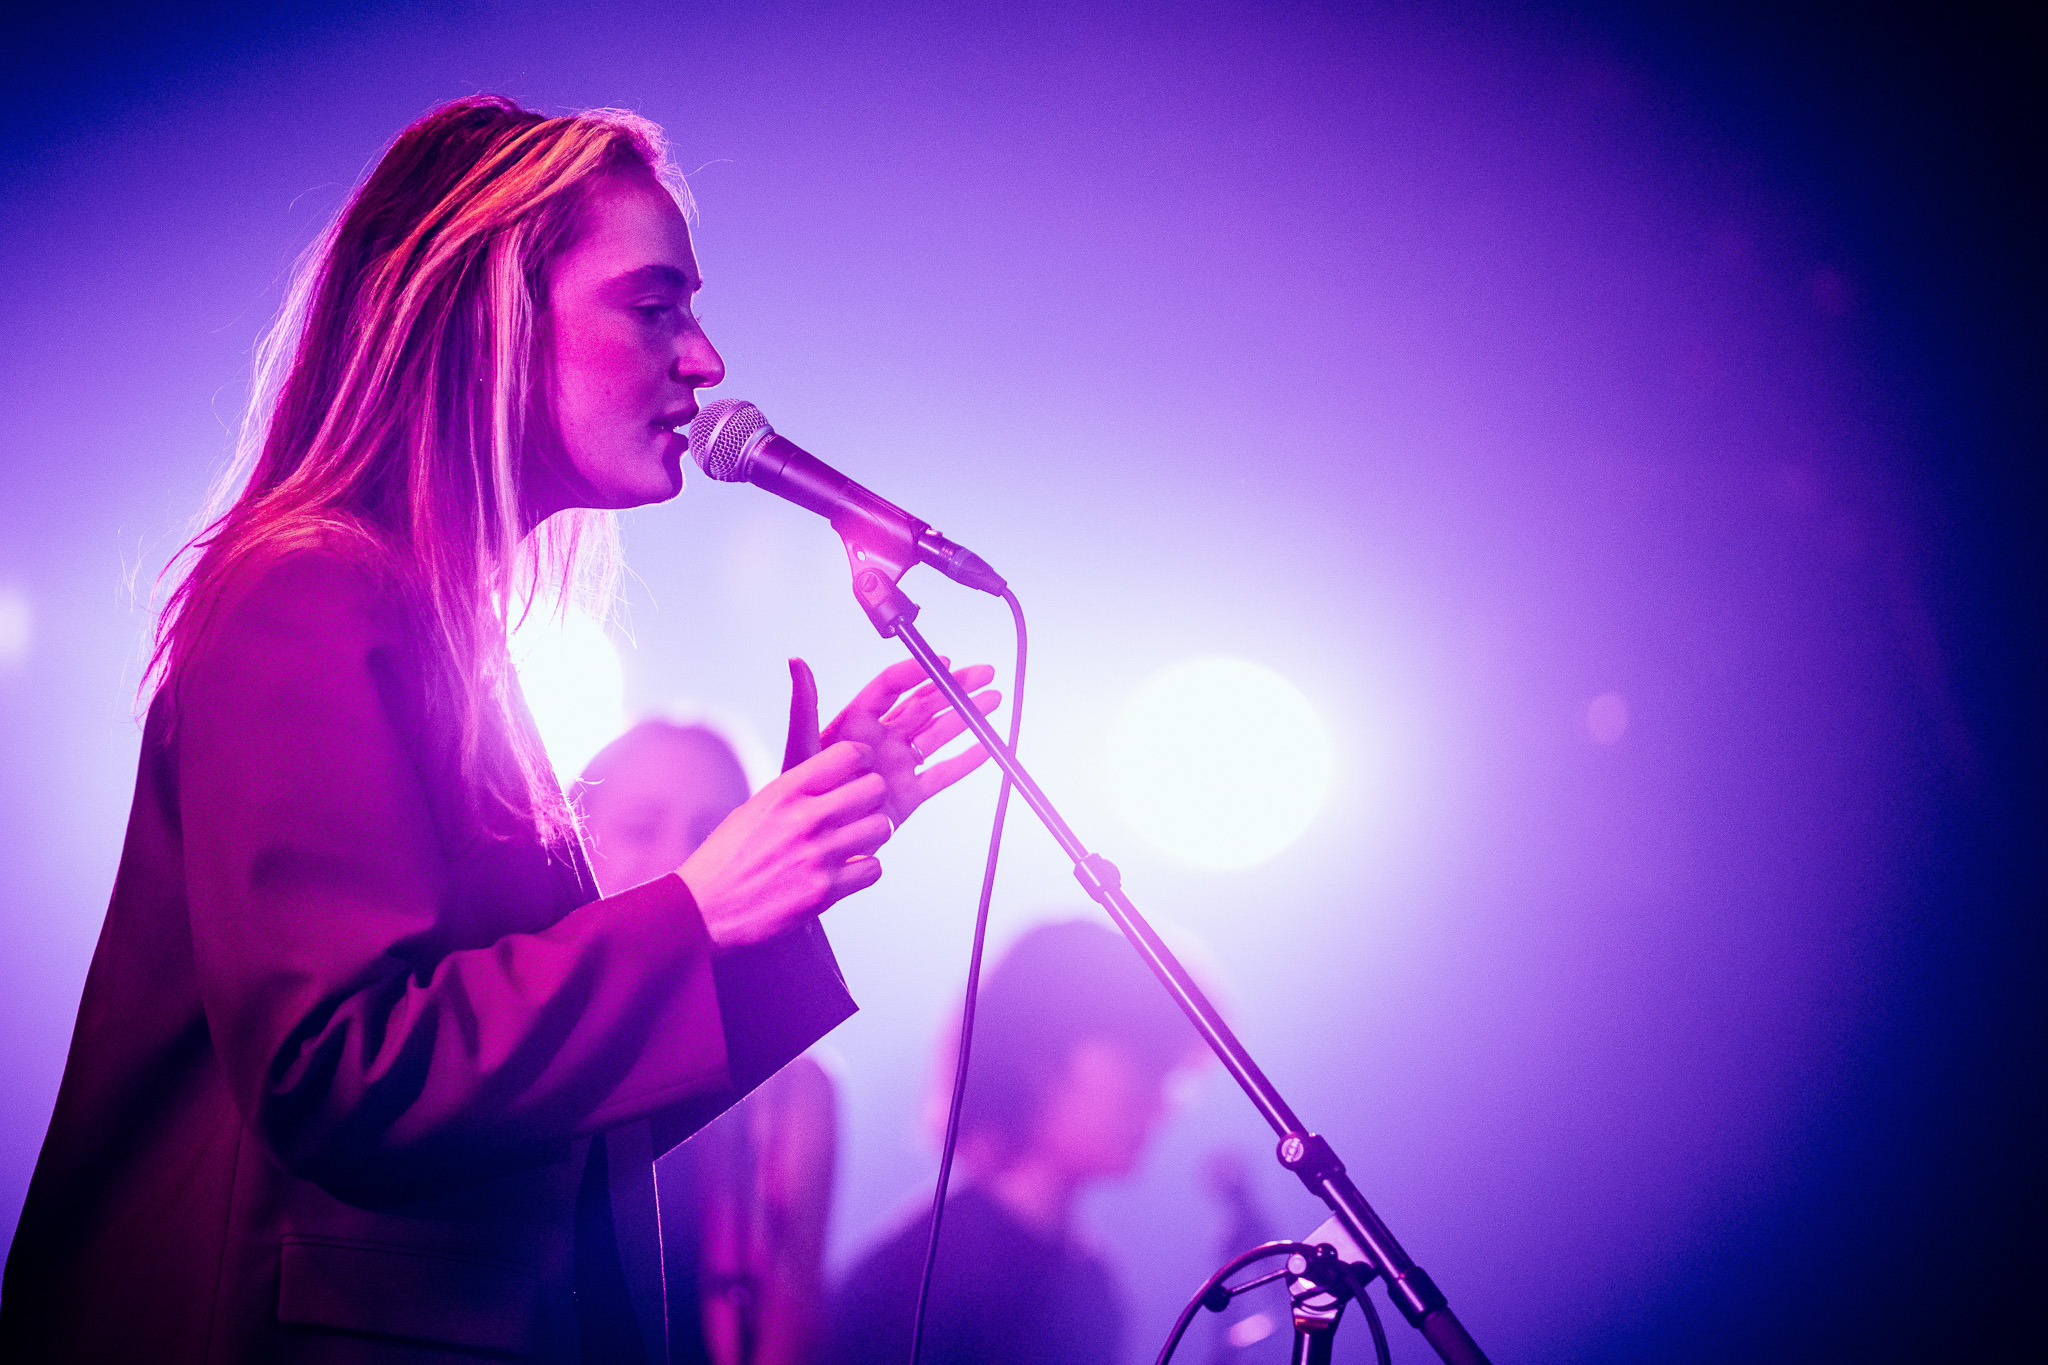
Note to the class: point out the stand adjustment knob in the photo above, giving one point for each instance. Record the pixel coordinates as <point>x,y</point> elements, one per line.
<point>1098,877</point>
<point>1310,1158</point>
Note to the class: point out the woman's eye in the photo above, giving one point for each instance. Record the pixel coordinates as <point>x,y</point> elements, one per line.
<point>651,311</point>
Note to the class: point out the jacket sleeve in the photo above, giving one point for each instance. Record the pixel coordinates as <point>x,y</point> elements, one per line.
<point>777,998</point>
<point>371,1055</point>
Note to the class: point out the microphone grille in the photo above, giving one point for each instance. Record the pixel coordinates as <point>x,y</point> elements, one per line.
<point>720,435</point>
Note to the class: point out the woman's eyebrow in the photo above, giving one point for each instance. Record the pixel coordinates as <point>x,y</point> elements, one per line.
<point>650,275</point>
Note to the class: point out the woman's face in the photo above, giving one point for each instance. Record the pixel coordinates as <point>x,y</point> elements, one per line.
<point>622,352</point>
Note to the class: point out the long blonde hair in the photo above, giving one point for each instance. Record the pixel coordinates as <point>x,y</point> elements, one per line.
<point>393,403</point>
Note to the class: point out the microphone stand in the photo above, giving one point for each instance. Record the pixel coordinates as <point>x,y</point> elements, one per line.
<point>878,562</point>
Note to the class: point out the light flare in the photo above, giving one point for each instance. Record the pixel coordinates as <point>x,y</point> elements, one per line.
<point>1218,762</point>
<point>574,682</point>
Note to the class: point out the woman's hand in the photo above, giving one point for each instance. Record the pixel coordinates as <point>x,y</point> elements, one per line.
<point>796,846</point>
<point>912,729</point>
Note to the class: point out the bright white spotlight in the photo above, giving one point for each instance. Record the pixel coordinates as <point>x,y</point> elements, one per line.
<point>1219,762</point>
<point>574,684</point>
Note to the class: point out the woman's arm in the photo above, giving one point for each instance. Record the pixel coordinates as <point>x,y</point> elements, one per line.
<point>381,1030</point>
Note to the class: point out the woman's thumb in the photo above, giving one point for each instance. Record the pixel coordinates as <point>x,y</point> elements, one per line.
<point>803,715</point>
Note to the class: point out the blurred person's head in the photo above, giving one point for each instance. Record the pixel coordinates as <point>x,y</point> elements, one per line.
<point>1074,1047</point>
<point>652,795</point>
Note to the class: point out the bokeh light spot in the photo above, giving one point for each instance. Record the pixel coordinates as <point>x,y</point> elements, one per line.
<point>1218,762</point>
<point>1251,1330</point>
<point>575,685</point>
<point>16,628</point>
<point>1607,718</point>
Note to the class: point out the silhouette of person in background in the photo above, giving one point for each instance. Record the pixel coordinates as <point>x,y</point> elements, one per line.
<point>743,1203</point>
<point>1073,1050</point>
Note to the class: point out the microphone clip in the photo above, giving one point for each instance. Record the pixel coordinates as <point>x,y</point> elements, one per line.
<point>878,561</point>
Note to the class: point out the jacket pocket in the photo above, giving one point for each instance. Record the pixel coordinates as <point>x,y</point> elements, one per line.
<point>420,1295</point>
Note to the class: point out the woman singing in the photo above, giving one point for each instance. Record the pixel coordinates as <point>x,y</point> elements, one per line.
<point>365,1068</point>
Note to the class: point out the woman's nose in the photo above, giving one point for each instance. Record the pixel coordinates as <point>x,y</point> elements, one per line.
<point>698,363</point>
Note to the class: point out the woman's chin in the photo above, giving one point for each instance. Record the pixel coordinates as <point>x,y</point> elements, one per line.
<point>646,488</point>
<point>672,481</point>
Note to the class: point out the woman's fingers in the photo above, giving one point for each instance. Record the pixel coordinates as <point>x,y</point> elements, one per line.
<point>936,777</point>
<point>857,799</point>
<point>857,838</point>
<point>882,707</point>
<point>904,718</point>
<point>801,843</point>
<point>855,874</point>
<point>885,687</point>
<point>942,730</point>
<point>916,710</point>
<point>808,839</point>
<point>831,768</point>
<point>803,716</point>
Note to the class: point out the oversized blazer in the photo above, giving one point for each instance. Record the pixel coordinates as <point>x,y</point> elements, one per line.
<point>343,1060</point>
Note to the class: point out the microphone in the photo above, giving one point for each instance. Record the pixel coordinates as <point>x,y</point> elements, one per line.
<point>731,441</point>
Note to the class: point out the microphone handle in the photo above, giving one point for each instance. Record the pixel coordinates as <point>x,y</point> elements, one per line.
<point>788,470</point>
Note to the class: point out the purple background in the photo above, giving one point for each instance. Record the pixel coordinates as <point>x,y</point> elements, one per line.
<point>1460,363</point>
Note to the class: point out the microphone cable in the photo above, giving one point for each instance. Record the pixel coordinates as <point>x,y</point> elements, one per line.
<point>988,882</point>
